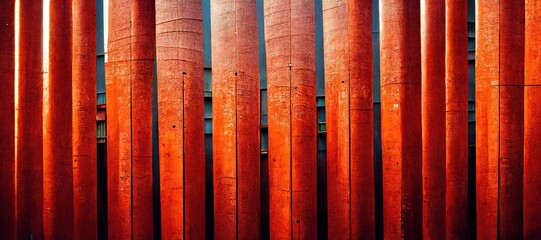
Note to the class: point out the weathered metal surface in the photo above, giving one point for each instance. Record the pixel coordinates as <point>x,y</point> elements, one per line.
<point>7,119</point>
<point>532,121</point>
<point>433,117</point>
<point>84,115</point>
<point>179,46</point>
<point>401,118</point>
<point>456,125</point>
<point>29,148</point>
<point>349,118</point>
<point>129,128</point>
<point>236,153</point>
<point>289,33</point>
<point>58,214</point>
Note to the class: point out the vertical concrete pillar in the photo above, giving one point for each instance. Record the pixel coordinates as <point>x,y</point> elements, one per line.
<point>235,88</point>
<point>532,121</point>
<point>349,110</point>
<point>129,110</point>
<point>29,130</point>
<point>433,117</point>
<point>84,119</point>
<point>289,37</point>
<point>179,49</point>
<point>456,113</point>
<point>58,212</point>
<point>7,121</point>
<point>401,118</point>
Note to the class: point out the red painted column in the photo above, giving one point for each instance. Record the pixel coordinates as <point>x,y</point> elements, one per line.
<point>235,88</point>
<point>58,212</point>
<point>456,80</point>
<point>7,121</point>
<point>179,46</point>
<point>131,63</point>
<point>532,121</point>
<point>401,118</point>
<point>486,71</point>
<point>289,35</point>
<point>433,117</point>
<point>348,90</point>
<point>84,119</point>
<point>29,129</point>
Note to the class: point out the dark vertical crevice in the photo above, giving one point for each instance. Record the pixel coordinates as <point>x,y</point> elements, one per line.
<point>155,157</point>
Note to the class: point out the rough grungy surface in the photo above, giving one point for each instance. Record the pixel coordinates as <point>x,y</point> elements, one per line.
<point>433,117</point>
<point>129,86</point>
<point>57,134</point>
<point>289,33</point>
<point>29,149</point>
<point>84,120</point>
<point>456,125</point>
<point>7,121</point>
<point>179,46</point>
<point>235,89</point>
<point>532,121</point>
<point>401,118</point>
<point>486,71</point>
<point>349,111</point>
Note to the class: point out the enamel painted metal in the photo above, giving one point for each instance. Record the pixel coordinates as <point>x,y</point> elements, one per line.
<point>290,45</point>
<point>401,118</point>
<point>235,89</point>
<point>179,49</point>
<point>349,111</point>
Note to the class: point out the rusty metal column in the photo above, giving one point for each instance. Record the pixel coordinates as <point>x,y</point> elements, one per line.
<point>57,135</point>
<point>179,46</point>
<point>7,121</point>
<point>456,80</point>
<point>433,117</point>
<point>532,121</point>
<point>401,118</point>
<point>29,145</point>
<point>180,105</point>
<point>129,110</point>
<point>235,88</point>
<point>349,111</point>
<point>84,119</point>
<point>290,43</point>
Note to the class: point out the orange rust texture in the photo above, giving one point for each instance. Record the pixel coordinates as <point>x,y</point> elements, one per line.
<point>179,46</point>
<point>7,119</point>
<point>486,70</point>
<point>532,121</point>
<point>84,120</point>
<point>29,149</point>
<point>57,112</point>
<point>433,117</point>
<point>235,88</point>
<point>401,118</point>
<point>129,84</point>
<point>289,33</point>
<point>456,113</point>
<point>348,69</point>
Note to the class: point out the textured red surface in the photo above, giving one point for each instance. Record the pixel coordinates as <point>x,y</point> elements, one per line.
<point>57,113</point>
<point>29,149</point>
<point>7,119</point>
<point>349,111</point>
<point>179,46</point>
<point>456,112</point>
<point>401,118</point>
<point>433,117</point>
<point>84,120</point>
<point>129,110</point>
<point>532,121</point>
<point>289,33</point>
<point>236,152</point>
